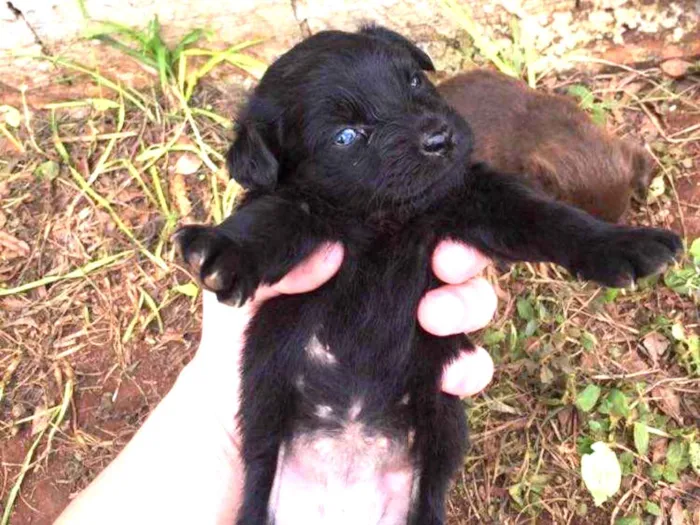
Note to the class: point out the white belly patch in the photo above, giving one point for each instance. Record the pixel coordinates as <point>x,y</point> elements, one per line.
<point>348,477</point>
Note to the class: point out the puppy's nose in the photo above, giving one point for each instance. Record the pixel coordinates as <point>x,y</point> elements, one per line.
<point>437,142</point>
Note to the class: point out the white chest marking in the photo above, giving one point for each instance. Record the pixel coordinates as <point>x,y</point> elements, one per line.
<point>320,353</point>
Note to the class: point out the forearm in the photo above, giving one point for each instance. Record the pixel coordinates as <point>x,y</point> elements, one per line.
<point>181,467</point>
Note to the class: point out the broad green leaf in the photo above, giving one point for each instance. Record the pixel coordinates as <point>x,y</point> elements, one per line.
<point>670,474</point>
<point>626,463</point>
<point>190,289</point>
<point>641,438</point>
<point>598,115</point>
<point>694,454</point>
<point>611,294</point>
<point>103,104</point>
<point>516,492</point>
<point>678,332</point>
<point>584,95</point>
<point>674,455</point>
<point>601,472</point>
<point>656,472</point>
<point>674,461</point>
<point>587,399</point>
<point>531,327</point>
<point>695,250</point>
<point>596,426</point>
<point>492,337</point>
<point>652,508</point>
<point>619,404</point>
<point>525,309</point>
<point>588,341</point>
<point>628,520</point>
<point>47,170</point>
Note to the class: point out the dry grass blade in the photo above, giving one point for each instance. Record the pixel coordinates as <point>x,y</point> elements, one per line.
<point>14,490</point>
<point>7,375</point>
<point>129,94</point>
<point>78,273</point>
<point>98,199</point>
<point>57,417</point>
<point>117,220</point>
<point>13,140</point>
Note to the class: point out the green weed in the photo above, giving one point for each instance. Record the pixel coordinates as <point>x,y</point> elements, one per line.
<point>598,109</point>
<point>146,45</point>
<point>518,58</point>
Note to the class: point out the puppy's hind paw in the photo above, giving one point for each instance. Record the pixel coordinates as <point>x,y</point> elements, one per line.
<point>216,262</point>
<point>621,255</point>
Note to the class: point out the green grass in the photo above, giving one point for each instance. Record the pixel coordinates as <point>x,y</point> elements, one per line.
<point>146,45</point>
<point>518,58</point>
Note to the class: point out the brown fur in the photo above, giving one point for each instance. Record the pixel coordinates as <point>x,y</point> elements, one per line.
<point>550,141</point>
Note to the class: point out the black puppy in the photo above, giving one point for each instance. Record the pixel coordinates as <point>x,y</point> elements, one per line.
<point>345,139</point>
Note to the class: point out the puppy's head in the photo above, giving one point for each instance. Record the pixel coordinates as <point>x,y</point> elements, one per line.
<point>352,116</point>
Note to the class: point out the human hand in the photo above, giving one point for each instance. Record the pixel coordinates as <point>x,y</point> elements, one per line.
<point>465,304</point>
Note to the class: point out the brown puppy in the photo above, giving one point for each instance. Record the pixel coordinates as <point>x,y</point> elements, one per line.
<point>550,141</point>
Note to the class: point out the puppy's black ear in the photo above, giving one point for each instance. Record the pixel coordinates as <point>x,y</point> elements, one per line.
<point>250,161</point>
<point>393,37</point>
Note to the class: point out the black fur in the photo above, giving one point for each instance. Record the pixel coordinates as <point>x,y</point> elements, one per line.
<point>389,199</point>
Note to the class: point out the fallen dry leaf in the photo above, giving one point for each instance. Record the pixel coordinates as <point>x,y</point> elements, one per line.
<point>659,447</point>
<point>12,246</point>
<point>695,517</point>
<point>565,418</point>
<point>41,418</point>
<point>668,402</point>
<point>178,189</point>
<point>677,513</point>
<point>631,362</point>
<point>188,164</point>
<point>656,345</point>
<point>12,303</point>
<point>676,67</point>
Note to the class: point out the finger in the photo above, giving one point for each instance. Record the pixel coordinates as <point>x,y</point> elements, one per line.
<point>314,271</point>
<point>311,273</point>
<point>469,374</point>
<point>455,309</point>
<point>455,262</point>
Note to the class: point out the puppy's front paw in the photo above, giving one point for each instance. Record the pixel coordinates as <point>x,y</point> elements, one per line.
<point>217,262</point>
<point>620,255</point>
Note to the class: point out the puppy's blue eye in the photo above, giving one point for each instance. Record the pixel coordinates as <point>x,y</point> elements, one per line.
<point>346,137</point>
<point>416,81</point>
